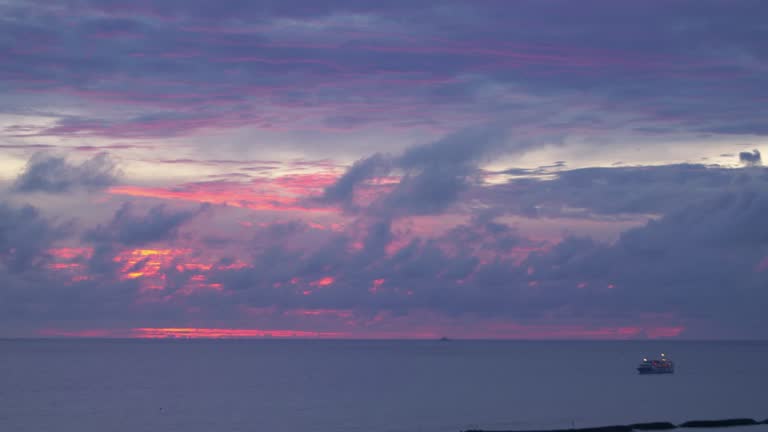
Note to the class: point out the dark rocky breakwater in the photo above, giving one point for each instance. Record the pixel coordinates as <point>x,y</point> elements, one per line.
<point>649,426</point>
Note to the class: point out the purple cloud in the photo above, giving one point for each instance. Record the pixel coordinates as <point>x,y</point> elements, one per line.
<point>369,164</point>
<point>53,174</point>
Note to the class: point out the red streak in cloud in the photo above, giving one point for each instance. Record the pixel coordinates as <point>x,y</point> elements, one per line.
<point>193,266</point>
<point>245,199</point>
<point>305,184</point>
<point>377,283</point>
<point>336,313</point>
<point>663,332</point>
<point>70,256</point>
<point>280,195</point>
<point>237,265</point>
<point>71,253</point>
<point>217,333</point>
<point>383,326</point>
<point>317,226</point>
<point>65,266</point>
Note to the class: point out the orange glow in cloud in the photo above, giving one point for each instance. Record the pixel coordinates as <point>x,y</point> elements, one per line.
<point>194,266</point>
<point>149,265</point>
<point>149,262</point>
<point>323,282</point>
<point>65,266</point>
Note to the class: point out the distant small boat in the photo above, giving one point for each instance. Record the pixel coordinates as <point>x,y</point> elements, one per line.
<point>656,366</point>
<point>443,339</point>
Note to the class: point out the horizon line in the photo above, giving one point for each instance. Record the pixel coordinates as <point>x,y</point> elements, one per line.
<point>401,339</point>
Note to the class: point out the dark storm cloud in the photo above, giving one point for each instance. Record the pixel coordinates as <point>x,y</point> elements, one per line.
<point>420,275</point>
<point>343,190</point>
<point>431,175</point>
<point>131,229</point>
<point>616,191</point>
<point>435,174</point>
<point>681,269</point>
<point>54,174</point>
<point>685,267</point>
<point>278,233</point>
<point>28,289</point>
<point>25,236</point>
<point>545,70</point>
<point>442,176</point>
<point>751,158</point>
<point>695,260</point>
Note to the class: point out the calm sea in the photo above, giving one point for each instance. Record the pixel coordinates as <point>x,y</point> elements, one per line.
<point>371,386</point>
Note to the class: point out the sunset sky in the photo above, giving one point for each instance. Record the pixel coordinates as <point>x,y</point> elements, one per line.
<point>384,169</point>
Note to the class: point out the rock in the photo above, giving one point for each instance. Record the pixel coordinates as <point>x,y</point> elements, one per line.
<point>605,429</point>
<point>653,426</point>
<point>719,423</point>
<point>617,428</point>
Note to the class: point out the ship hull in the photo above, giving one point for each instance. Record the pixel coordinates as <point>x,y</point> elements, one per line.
<point>648,371</point>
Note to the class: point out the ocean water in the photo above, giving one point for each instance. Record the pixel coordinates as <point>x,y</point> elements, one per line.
<point>371,386</point>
